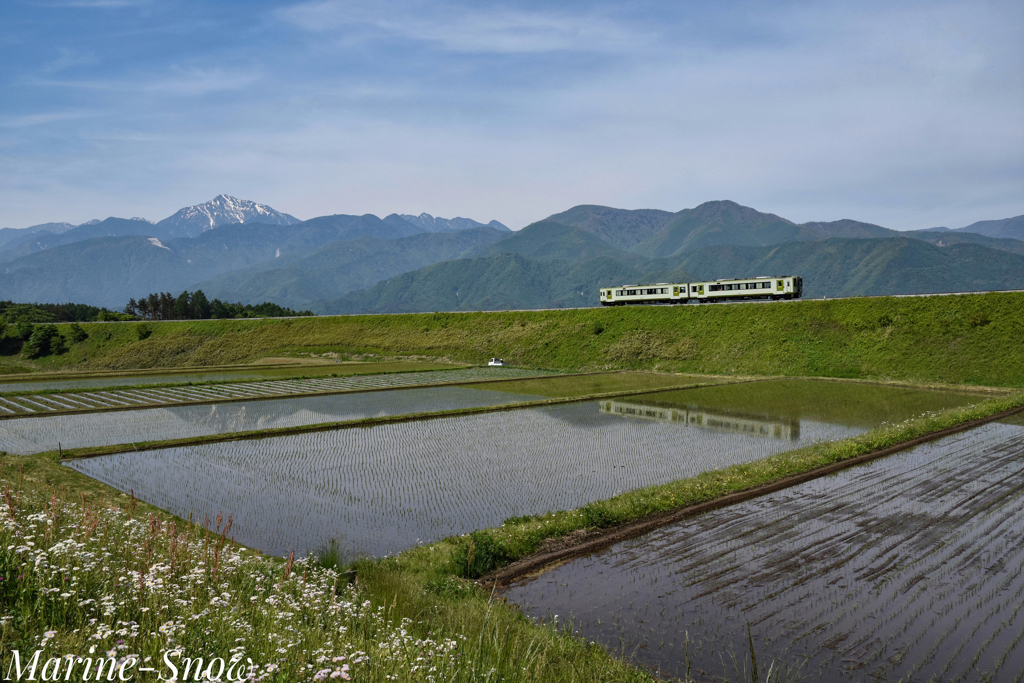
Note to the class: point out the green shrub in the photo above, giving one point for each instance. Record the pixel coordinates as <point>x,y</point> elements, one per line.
<point>597,515</point>
<point>77,334</point>
<point>24,330</point>
<point>44,340</point>
<point>477,554</point>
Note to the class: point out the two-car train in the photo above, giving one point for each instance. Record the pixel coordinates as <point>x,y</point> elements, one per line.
<point>785,287</point>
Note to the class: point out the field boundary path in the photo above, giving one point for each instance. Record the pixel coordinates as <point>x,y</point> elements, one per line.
<point>586,543</point>
<point>139,398</point>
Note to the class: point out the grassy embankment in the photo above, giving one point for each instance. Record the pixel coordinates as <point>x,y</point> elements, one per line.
<point>952,339</point>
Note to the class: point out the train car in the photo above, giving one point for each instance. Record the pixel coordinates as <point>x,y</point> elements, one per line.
<point>783,287</point>
<point>714,420</point>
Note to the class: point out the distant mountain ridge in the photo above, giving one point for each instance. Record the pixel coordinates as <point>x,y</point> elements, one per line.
<point>201,243</point>
<point>221,210</point>
<point>1007,228</point>
<point>8,234</point>
<point>345,265</point>
<point>243,251</point>
<point>431,224</point>
<point>622,228</point>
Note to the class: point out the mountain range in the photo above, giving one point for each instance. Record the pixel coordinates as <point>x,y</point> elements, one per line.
<point>238,250</point>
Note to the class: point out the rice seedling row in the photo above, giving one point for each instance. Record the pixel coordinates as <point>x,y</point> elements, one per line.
<point>24,436</point>
<point>238,373</point>
<point>380,489</point>
<point>51,403</point>
<point>909,568</point>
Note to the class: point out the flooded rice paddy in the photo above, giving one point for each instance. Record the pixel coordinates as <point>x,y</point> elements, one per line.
<point>33,435</point>
<point>908,568</point>
<point>116,399</point>
<point>381,489</point>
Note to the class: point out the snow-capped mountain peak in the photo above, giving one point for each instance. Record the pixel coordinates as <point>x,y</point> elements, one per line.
<point>222,210</point>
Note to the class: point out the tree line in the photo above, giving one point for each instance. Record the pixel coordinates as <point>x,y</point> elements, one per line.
<point>12,313</point>
<point>196,306</point>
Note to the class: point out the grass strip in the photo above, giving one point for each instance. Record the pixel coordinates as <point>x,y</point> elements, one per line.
<point>480,553</point>
<point>97,451</point>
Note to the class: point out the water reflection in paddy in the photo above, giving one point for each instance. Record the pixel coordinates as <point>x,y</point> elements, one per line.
<point>35,434</point>
<point>383,488</point>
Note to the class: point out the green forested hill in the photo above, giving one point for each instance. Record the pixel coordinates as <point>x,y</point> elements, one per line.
<point>841,267</point>
<point>103,271</point>
<point>344,266</point>
<point>830,268</point>
<point>950,237</point>
<point>499,282</point>
<point>1011,228</point>
<point>621,228</point>
<point>547,241</point>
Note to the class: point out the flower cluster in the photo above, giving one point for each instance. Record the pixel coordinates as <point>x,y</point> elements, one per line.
<point>80,581</point>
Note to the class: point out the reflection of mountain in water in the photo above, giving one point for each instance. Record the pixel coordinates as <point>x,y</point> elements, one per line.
<point>717,420</point>
<point>237,417</point>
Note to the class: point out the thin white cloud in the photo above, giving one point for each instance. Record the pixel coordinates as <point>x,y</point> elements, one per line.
<point>93,4</point>
<point>472,29</point>
<point>43,118</point>
<point>176,81</point>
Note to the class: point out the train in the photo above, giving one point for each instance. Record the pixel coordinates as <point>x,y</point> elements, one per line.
<point>705,418</point>
<point>784,287</point>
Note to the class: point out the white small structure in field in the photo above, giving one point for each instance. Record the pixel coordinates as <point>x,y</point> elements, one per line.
<point>496,362</point>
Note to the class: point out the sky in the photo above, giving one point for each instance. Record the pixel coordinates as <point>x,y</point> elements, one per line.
<point>904,114</point>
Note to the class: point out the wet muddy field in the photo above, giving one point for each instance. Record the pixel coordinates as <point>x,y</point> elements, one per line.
<point>910,568</point>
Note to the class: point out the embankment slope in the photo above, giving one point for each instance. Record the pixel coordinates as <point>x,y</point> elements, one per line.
<point>971,339</point>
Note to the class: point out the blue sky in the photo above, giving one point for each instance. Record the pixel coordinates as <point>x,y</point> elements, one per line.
<point>905,114</point>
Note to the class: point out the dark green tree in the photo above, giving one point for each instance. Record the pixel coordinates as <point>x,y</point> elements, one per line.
<point>24,330</point>
<point>77,334</point>
<point>45,339</point>
<point>200,305</point>
<point>183,306</point>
